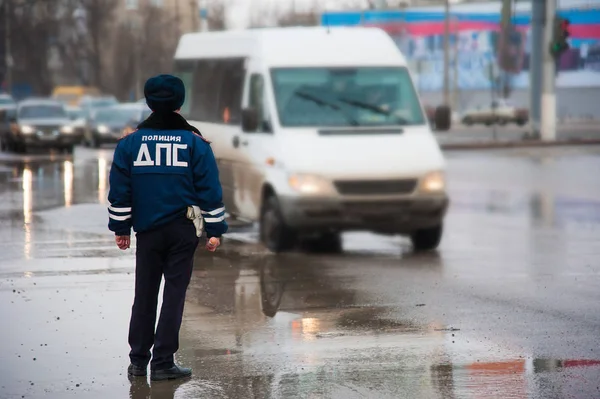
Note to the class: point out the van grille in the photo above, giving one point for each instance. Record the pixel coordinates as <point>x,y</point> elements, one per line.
<point>375,187</point>
<point>371,208</point>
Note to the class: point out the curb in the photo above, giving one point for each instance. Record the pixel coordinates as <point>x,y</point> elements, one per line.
<point>517,144</point>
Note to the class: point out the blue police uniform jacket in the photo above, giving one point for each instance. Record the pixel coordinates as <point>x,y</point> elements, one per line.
<point>157,174</point>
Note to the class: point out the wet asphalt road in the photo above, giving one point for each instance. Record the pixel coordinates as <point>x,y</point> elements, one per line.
<point>509,307</point>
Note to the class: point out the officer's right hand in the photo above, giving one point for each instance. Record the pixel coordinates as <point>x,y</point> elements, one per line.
<point>213,243</point>
<point>123,242</point>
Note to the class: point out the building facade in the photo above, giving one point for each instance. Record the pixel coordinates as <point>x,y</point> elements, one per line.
<point>474,38</point>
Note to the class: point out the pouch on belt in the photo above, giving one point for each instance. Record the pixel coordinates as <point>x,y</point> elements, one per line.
<point>194,213</point>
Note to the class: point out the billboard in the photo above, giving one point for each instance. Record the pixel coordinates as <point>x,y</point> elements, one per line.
<point>474,38</point>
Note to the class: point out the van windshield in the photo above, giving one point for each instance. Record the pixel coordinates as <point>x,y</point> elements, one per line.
<point>361,96</point>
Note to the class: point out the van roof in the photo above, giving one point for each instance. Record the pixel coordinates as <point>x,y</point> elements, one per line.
<point>297,46</point>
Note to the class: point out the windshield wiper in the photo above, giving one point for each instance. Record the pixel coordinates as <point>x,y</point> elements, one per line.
<point>325,103</point>
<point>372,107</point>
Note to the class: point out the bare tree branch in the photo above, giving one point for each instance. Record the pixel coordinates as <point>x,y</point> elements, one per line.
<point>279,16</point>
<point>33,28</point>
<point>99,15</point>
<point>143,49</point>
<point>307,18</point>
<point>216,14</point>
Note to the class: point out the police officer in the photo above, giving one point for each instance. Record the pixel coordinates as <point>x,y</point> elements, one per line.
<point>158,173</point>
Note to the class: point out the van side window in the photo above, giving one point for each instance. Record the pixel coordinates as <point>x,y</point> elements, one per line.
<point>184,69</point>
<point>256,100</point>
<point>205,91</point>
<point>216,91</point>
<point>230,94</point>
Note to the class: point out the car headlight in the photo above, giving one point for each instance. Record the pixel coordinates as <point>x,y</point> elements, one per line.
<point>311,184</point>
<point>67,129</point>
<point>26,129</point>
<point>434,182</point>
<point>103,129</point>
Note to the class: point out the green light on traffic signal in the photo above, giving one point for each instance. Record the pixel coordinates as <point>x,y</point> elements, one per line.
<point>559,40</point>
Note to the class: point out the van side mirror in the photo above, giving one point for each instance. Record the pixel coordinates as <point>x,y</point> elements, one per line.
<point>443,118</point>
<point>249,120</point>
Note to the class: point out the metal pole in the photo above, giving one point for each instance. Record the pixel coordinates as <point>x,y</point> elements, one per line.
<point>137,54</point>
<point>455,96</point>
<point>177,18</point>
<point>420,74</point>
<point>548,120</point>
<point>194,15</point>
<point>137,73</point>
<point>447,53</point>
<point>493,97</point>
<point>7,49</point>
<point>538,19</point>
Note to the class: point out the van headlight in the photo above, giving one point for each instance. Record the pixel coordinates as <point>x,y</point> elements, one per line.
<point>311,184</point>
<point>67,129</point>
<point>103,129</point>
<point>26,129</point>
<point>434,182</point>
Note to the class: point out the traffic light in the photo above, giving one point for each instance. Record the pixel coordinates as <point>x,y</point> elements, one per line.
<point>559,40</point>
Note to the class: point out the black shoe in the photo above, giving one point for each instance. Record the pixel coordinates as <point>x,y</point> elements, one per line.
<point>136,371</point>
<point>173,373</point>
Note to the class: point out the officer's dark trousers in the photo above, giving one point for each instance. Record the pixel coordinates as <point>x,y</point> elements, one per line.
<point>169,251</point>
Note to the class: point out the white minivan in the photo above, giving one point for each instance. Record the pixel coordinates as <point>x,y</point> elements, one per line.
<point>316,131</point>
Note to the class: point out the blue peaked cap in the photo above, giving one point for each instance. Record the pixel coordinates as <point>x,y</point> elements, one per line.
<point>164,93</point>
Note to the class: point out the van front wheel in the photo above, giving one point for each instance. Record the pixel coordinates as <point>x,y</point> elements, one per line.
<point>274,232</point>
<point>427,239</point>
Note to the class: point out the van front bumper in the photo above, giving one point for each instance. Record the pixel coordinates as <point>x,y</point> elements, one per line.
<point>386,216</point>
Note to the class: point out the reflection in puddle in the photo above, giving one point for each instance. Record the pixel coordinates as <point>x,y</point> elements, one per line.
<point>542,207</point>
<point>309,327</point>
<point>321,339</point>
<point>68,183</point>
<point>102,179</point>
<point>518,378</point>
<point>27,209</point>
<point>140,389</point>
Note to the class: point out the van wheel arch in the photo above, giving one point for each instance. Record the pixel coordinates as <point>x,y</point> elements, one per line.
<point>275,234</point>
<point>267,191</point>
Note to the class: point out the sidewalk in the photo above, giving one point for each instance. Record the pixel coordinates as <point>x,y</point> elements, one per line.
<point>481,137</point>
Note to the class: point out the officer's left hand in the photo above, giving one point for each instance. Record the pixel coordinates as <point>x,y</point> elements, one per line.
<point>123,242</point>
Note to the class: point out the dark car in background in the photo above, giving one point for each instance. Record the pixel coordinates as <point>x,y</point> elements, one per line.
<point>132,125</point>
<point>77,117</point>
<point>107,124</point>
<point>7,123</point>
<point>41,123</point>
<point>88,104</point>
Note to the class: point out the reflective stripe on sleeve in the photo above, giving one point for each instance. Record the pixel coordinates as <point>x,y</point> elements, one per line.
<point>119,210</point>
<point>119,218</point>
<point>214,220</point>
<point>214,211</point>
